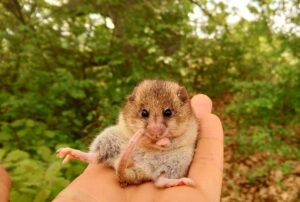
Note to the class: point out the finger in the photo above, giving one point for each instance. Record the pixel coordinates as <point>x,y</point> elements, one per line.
<point>5,184</point>
<point>201,105</point>
<point>207,166</point>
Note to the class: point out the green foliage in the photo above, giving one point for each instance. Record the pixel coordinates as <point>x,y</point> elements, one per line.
<point>269,108</point>
<point>65,71</point>
<point>37,177</point>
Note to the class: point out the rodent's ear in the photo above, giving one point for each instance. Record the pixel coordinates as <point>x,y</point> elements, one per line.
<point>131,97</point>
<point>183,94</point>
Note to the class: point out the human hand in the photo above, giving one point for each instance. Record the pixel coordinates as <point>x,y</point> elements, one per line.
<point>100,183</point>
<point>4,185</point>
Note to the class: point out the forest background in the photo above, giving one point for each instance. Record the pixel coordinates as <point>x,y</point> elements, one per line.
<point>66,67</point>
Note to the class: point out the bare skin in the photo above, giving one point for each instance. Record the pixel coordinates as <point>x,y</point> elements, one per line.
<point>100,183</point>
<point>5,185</point>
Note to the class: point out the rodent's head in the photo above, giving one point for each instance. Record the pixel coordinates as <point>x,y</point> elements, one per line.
<point>161,108</point>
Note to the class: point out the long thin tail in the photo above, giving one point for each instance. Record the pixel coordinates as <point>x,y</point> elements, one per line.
<point>126,154</point>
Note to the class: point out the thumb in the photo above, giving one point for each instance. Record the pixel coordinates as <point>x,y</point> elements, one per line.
<point>207,167</point>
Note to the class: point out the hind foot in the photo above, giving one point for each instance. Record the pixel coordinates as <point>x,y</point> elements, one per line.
<point>69,153</point>
<point>163,182</point>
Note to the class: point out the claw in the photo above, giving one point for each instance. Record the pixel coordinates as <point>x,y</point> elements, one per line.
<point>66,159</point>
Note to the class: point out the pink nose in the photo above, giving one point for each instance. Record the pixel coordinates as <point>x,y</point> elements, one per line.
<point>156,130</point>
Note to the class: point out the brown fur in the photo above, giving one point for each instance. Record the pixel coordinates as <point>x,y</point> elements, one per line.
<point>156,96</point>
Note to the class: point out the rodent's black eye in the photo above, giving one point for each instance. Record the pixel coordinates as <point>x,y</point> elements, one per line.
<point>167,113</point>
<point>145,113</point>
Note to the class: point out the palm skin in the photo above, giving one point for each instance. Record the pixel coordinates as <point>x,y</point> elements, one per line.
<point>99,183</point>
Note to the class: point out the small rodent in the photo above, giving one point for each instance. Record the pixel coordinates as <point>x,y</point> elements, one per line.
<point>154,139</point>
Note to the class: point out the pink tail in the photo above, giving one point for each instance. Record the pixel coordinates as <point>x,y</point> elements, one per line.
<point>127,152</point>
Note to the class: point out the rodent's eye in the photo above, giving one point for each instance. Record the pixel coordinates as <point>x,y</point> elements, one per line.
<point>145,113</point>
<point>167,113</point>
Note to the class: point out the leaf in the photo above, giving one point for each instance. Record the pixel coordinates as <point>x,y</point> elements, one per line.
<point>53,170</point>
<point>44,152</point>
<point>29,123</point>
<point>2,154</point>
<point>42,195</point>
<point>16,155</point>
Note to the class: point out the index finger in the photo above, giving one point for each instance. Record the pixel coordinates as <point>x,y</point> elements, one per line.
<point>207,166</point>
<point>5,185</point>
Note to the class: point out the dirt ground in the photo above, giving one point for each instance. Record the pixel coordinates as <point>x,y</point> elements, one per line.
<point>246,178</point>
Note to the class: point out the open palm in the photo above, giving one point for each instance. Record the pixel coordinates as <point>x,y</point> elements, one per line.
<point>99,183</point>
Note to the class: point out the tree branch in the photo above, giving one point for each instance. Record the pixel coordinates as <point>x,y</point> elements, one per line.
<point>14,7</point>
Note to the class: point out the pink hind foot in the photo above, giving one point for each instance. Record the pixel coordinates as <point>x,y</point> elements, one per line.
<point>69,153</point>
<point>163,182</point>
